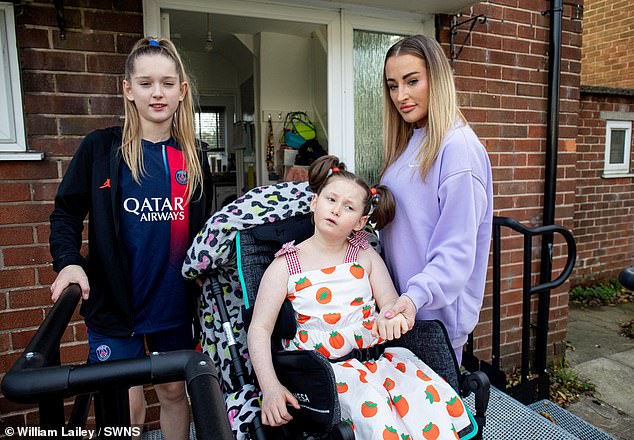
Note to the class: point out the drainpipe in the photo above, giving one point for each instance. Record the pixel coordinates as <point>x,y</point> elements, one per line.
<point>550,193</point>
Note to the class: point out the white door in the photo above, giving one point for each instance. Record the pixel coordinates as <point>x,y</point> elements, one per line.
<point>355,37</point>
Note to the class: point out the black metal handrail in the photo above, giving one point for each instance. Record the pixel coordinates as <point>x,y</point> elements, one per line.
<point>528,390</point>
<point>37,377</point>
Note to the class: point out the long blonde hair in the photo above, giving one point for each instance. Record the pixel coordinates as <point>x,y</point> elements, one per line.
<point>182,123</point>
<point>443,104</point>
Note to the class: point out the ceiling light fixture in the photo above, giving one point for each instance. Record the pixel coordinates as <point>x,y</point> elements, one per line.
<point>209,43</point>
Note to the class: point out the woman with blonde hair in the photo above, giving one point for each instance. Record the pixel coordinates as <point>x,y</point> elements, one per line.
<point>437,247</point>
<point>144,189</point>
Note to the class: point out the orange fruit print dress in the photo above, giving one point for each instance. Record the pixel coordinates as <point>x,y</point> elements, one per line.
<point>396,396</point>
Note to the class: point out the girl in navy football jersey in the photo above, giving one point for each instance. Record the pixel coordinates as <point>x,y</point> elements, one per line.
<point>143,188</point>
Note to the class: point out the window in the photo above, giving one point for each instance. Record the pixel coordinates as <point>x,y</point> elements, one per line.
<point>618,140</point>
<point>210,127</point>
<point>12,138</point>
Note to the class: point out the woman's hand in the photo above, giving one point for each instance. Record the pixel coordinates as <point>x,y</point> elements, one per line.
<point>390,329</point>
<point>70,274</point>
<point>405,306</point>
<point>274,411</point>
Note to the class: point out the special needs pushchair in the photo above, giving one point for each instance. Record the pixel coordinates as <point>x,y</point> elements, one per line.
<point>233,251</point>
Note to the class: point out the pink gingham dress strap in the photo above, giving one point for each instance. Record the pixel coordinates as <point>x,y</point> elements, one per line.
<point>358,240</point>
<point>290,255</point>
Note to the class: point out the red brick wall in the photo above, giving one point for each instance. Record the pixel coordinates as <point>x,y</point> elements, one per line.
<point>608,59</point>
<point>70,87</point>
<point>502,78</point>
<point>604,208</point>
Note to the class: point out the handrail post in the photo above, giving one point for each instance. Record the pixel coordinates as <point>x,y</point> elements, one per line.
<point>112,409</point>
<point>493,370</point>
<point>526,307</point>
<point>497,295</point>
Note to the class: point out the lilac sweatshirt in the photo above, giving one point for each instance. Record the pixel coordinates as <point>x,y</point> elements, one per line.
<point>437,247</point>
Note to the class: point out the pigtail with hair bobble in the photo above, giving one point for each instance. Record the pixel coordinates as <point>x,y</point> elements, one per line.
<point>321,169</point>
<point>382,206</point>
<point>379,205</point>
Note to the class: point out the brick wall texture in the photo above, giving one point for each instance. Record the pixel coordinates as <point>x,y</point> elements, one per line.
<point>604,208</point>
<point>72,86</point>
<point>608,35</point>
<point>502,78</point>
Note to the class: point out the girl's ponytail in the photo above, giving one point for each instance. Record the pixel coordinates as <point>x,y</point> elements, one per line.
<point>382,206</point>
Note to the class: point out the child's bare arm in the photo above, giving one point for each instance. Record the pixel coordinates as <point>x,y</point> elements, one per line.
<point>385,296</point>
<point>267,306</point>
<point>382,286</point>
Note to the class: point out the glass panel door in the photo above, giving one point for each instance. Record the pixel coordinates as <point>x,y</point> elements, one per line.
<point>368,53</point>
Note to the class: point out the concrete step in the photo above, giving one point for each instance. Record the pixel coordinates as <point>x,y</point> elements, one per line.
<point>509,419</point>
<point>568,421</point>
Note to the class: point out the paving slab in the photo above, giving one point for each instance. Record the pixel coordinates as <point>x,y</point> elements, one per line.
<point>613,380</point>
<point>617,423</point>
<point>599,354</point>
<point>595,332</point>
<point>624,357</point>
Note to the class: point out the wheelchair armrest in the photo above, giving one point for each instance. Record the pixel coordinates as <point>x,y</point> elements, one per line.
<point>342,431</point>
<point>478,383</point>
<point>308,375</point>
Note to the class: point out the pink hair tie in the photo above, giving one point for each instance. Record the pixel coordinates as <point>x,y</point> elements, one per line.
<point>333,170</point>
<point>374,200</point>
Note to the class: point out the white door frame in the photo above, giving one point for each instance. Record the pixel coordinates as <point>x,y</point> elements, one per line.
<point>340,24</point>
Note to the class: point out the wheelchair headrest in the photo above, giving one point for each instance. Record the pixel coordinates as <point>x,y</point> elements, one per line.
<point>256,249</point>
<point>297,228</point>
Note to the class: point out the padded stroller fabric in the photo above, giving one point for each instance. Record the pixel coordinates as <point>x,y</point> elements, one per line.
<point>213,250</point>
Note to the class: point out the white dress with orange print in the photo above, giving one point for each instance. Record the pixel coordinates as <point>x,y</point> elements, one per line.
<point>395,396</point>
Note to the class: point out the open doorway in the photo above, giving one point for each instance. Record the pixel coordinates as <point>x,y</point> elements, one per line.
<point>248,73</point>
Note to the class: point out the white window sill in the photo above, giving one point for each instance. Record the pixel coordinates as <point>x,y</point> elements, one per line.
<point>28,155</point>
<point>616,175</point>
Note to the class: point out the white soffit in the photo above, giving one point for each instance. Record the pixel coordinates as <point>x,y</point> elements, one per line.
<point>407,6</point>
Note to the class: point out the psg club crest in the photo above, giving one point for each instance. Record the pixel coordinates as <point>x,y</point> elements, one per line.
<point>103,352</point>
<point>181,177</point>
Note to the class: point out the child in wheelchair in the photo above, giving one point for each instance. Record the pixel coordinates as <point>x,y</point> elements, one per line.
<point>335,282</point>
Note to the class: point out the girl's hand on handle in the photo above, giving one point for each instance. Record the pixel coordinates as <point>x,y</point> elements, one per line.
<point>70,274</point>
<point>274,411</point>
<point>404,305</point>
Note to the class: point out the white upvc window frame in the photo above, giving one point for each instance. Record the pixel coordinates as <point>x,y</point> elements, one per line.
<point>12,135</point>
<point>351,21</point>
<point>618,169</point>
